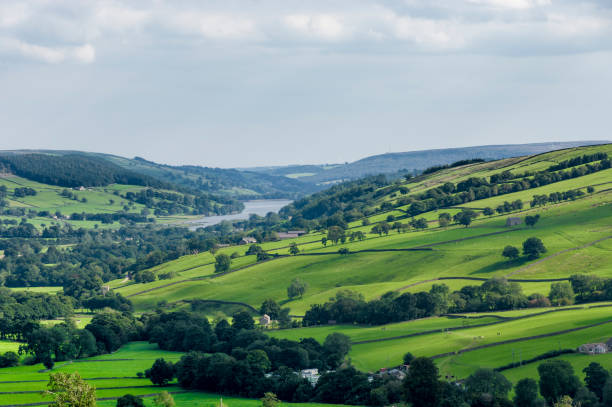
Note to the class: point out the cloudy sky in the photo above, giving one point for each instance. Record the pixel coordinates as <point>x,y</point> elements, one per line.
<point>266,82</point>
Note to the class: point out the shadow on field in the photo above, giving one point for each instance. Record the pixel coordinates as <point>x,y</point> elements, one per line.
<point>501,265</point>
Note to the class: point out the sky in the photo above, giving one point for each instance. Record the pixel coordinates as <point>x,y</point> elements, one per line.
<point>245,83</point>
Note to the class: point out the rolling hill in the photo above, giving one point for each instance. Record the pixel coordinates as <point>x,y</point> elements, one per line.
<point>577,234</point>
<point>413,161</point>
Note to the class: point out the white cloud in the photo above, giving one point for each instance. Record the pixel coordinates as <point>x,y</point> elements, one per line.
<point>213,25</point>
<point>52,55</point>
<point>513,4</point>
<point>12,14</point>
<point>48,30</point>
<point>324,26</point>
<point>85,54</point>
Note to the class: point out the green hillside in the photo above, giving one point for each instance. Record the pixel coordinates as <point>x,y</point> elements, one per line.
<point>577,234</point>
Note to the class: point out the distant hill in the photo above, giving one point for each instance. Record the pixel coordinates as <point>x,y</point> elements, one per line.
<point>73,170</point>
<point>229,182</point>
<point>78,168</point>
<point>414,161</point>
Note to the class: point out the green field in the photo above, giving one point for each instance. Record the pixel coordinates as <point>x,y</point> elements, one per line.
<point>113,376</point>
<point>563,227</point>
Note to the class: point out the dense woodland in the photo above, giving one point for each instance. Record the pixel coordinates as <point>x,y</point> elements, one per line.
<point>93,255</point>
<point>77,170</point>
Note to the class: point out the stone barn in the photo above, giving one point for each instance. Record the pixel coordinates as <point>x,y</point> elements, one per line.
<point>513,221</point>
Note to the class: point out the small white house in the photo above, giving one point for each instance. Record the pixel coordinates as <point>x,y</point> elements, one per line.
<point>265,320</point>
<point>593,348</point>
<point>312,375</point>
<point>248,240</point>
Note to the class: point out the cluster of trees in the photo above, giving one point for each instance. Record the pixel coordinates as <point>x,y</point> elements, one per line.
<point>459,163</point>
<point>23,192</point>
<point>185,331</point>
<point>516,205</point>
<point>573,162</point>
<point>171,203</point>
<point>20,310</point>
<point>106,332</point>
<point>589,288</point>
<point>98,254</point>
<point>533,247</point>
<point>350,307</point>
<point>554,197</point>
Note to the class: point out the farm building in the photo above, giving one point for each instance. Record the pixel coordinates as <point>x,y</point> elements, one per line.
<point>248,240</point>
<point>286,235</point>
<point>513,221</point>
<point>265,320</point>
<point>297,232</point>
<point>593,348</point>
<point>312,375</point>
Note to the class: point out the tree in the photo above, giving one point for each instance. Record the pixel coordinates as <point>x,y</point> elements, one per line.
<point>344,251</point>
<point>145,276</point>
<point>511,252</point>
<point>444,219</point>
<point>271,308</point>
<point>565,401</point>
<point>526,393</point>
<point>269,400</point>
<point>293,249</point>
<point>258,359</point>
<point>532,220</point>
<point>335,233</point>
<point>561,294</point>
<point>129,400</point>
<point>161,372</point>
<point>421,383</point>
<point>533,248</point>
<point>164,399</point>
<point>420,223</point>
<point>590,189</point>
<point>70,390</point>
<point>222,263</point>
<point>557,379</point>
<point>408,358</point>
<point>465,217</point>
<point>607,393</point>
<point>487,383</point>
<point>324,241</point>
<point>336,347</point>
<point>242,320</point>
<point>488,211</point>
<point>297,288</point>
<point>595,378</point>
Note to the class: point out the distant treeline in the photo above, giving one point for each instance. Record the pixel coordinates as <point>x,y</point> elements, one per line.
<point>73,170</point>
<point>437,168</point>
<point>493,295</point>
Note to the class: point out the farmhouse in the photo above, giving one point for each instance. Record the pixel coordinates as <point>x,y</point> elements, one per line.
<point>265,320</point>
<point>286,235</point>
<point>297,232</point>
<point>248,240</point>
<point>593,348</point>
<point>513,221</point>
<point>312,375</point>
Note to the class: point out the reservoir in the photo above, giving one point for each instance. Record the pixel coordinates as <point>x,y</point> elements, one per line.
<point>258,207</point>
